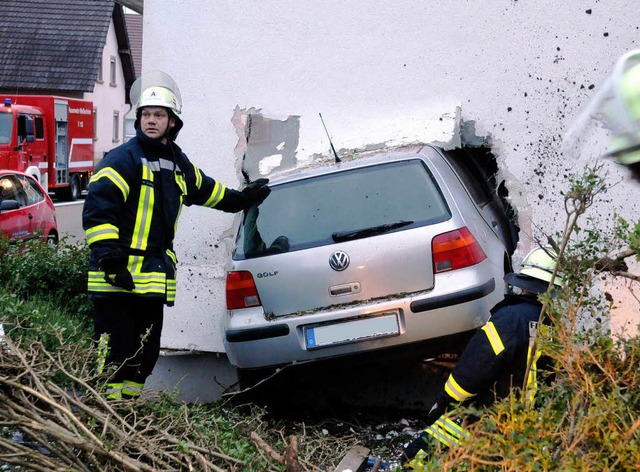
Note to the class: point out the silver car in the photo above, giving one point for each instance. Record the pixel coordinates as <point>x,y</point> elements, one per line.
<point>381,251</point>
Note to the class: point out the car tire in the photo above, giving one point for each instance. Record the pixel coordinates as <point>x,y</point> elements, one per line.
<point>70,193</point>
<point>52,239</point>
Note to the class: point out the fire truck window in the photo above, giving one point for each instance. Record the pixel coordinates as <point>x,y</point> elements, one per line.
<point>32,193</point>
<point>39,127</point>
<point>6,122</point>
<point>22,128</point>
<point>25,128</point>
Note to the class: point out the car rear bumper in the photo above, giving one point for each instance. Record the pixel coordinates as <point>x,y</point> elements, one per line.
<point>251,341</point>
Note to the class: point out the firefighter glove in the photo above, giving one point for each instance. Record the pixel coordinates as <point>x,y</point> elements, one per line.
<point>114,265</point>
<point>256,191</point>
<point>416,450</point>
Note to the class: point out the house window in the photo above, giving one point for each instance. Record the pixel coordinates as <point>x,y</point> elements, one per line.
<point>116,126</point>
<point>112,72</point>
<point>95,123</point>
<point>100,79</point>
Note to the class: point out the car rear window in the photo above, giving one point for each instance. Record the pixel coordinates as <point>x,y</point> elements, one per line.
<point>306,213</point>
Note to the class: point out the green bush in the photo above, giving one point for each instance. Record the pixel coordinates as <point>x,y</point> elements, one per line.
<point>57,274</point>
<point>589,417</point>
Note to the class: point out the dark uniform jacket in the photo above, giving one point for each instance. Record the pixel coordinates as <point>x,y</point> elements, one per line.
<point>495,360</point>
<point>134,201</point>
<point>493,363</point>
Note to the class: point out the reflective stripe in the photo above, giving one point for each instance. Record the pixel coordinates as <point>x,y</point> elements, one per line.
<point>455,391</point>
<point>133,389</point>
<point>144,213</point>
<point>114,391</point>
<point>172,256</point>
<point>160,164</point>
<point>532,379</point>
<point>145,283</point>
<point>102,233</point>
<point>171,290</point>
<point>216,195</point>
<point>417,463</point>
<point>180,182</point>
<point>198,176</point>
<point>111,174</point>
<point>102,351</point>
<point>447,431</point>
<point>494,337</point>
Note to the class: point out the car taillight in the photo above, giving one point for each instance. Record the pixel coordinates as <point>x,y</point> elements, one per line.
<point>455,250</point>
<point>241,290</point>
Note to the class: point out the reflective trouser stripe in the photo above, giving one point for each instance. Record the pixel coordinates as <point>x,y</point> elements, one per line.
<point>114,391</point>
<point>532,380</point>
<point>102,351</point>
<point>133,389</point>
<point>494,337</point>
<point>447,431</point>
<point>455,391</point>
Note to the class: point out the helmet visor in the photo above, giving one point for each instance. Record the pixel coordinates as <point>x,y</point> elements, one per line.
<point>155,78</point>
<point>609,126</point>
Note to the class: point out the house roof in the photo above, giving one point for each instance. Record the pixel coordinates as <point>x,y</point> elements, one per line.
<point>134,29</point>
<point>57,45</point>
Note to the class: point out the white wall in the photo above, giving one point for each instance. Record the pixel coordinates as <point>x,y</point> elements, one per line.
<point>108,99</point>
<point>518,69</point>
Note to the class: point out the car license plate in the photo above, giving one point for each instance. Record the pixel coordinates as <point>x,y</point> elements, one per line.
<point>351,331</point>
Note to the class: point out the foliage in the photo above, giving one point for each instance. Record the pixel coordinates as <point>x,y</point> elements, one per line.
<point>55,273</point>
<point>589,417</point>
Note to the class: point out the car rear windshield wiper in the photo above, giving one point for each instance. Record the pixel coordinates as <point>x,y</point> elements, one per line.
<point>361,233</point>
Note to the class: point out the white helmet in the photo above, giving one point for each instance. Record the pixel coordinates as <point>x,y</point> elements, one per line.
<point>610,124</point>
<point>156,89</point>
<point>158,97</point>
<point>536,272</point>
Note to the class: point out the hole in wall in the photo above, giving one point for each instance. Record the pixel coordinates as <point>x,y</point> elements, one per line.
<point>478,168</point>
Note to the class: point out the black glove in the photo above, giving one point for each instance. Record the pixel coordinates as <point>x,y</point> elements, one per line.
<point>256,191</point>
<point>114,265</point>
<point>420,443</point>
<point>437,410</point>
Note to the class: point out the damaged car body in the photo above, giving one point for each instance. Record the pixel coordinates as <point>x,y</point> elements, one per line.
<point>376,253</point>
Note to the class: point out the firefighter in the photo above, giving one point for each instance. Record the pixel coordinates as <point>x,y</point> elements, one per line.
<point>494,361</point>
<point>130,218</point>
<point>611,119</point>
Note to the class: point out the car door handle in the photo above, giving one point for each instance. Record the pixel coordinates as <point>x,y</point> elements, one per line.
<point>30,216</point>
<point>345,289</point>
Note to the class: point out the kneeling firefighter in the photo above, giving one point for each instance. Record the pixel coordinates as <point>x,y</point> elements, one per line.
<point>496,359</point>
<point>130,218</point>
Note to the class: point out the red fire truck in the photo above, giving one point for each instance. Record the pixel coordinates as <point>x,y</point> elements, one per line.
<point>50,138</point>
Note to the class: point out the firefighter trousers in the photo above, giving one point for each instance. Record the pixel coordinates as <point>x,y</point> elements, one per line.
<point>129,327</point>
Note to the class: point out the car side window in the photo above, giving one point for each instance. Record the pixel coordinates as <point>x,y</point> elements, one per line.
<point>31,192</point>
<point>9,188</point>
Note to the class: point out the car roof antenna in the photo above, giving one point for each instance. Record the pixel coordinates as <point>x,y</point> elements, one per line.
<point>335,154</point>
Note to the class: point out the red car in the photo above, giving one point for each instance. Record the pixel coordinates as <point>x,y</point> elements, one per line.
<point>26,210</point>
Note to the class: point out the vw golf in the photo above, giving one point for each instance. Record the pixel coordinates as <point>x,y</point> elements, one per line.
<point>381,251</point>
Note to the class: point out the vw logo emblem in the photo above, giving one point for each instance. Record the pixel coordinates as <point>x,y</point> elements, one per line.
<point>339,261</point>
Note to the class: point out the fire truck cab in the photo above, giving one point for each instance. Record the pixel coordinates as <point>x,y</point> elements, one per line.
<point>50,138</point>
